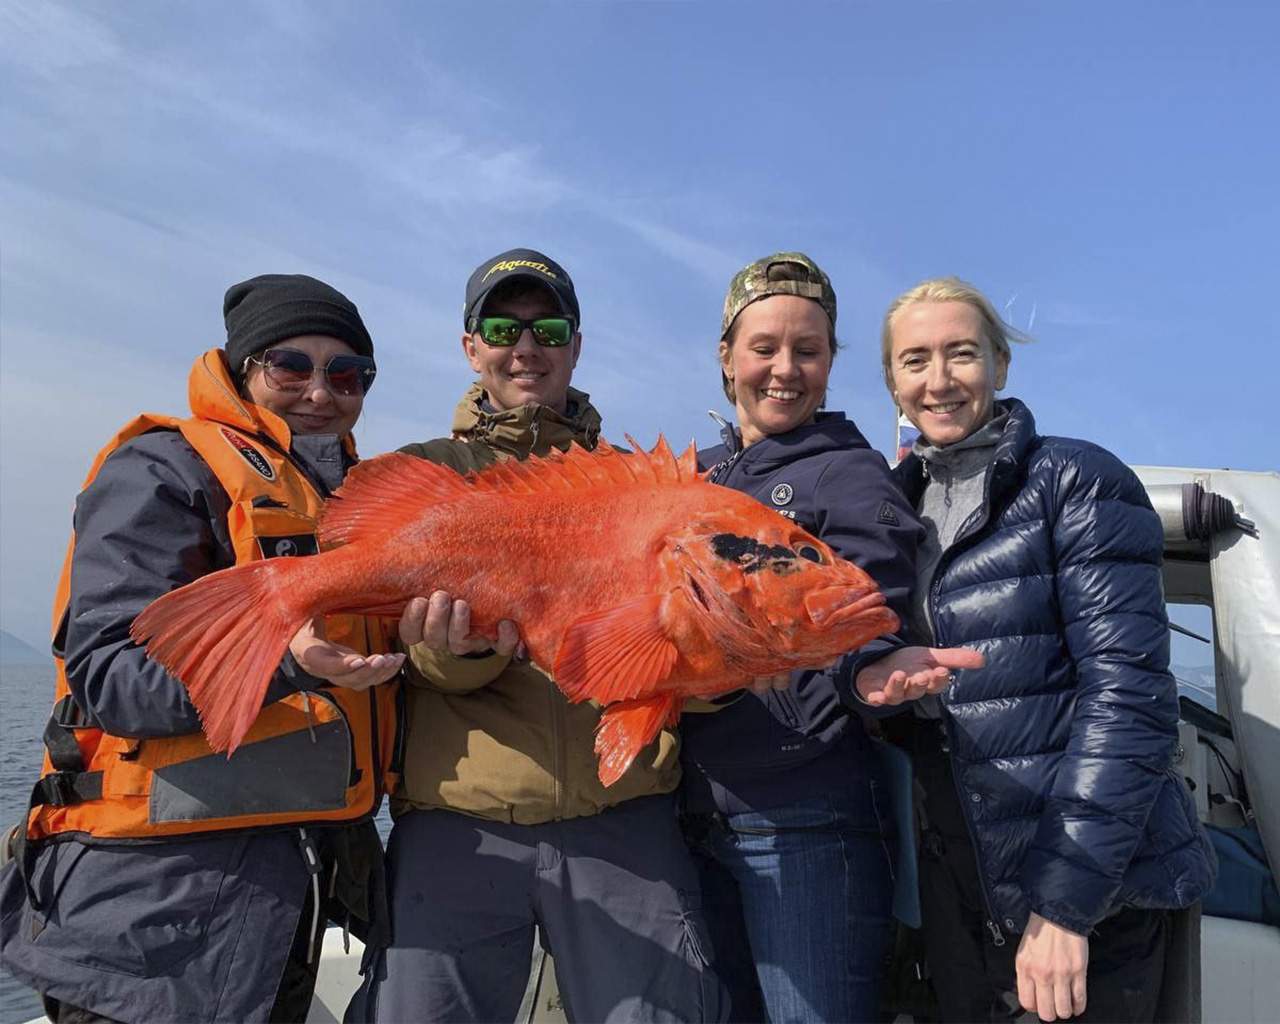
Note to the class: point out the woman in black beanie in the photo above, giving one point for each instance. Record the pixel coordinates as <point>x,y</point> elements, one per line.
<point>157,880</point>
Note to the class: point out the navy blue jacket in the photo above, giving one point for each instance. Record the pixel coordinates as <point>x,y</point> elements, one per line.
<point>826,478</point>
<point>1064,744</point>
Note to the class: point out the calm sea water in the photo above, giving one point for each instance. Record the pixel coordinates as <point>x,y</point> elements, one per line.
<point>26,695</point>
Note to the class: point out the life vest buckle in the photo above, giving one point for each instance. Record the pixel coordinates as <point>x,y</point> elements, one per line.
<point>59,789</point>
<point>68,714</point>
<point>63,788</point>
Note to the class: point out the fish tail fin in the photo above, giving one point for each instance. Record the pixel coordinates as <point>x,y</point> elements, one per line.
<point>223,636</point>
<point>628,727</point>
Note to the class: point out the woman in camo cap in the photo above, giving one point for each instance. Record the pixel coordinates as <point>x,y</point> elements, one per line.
<point>783,800</point>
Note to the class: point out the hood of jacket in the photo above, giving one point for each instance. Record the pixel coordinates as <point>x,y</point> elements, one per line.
<point>829,432</point>
<point>528,429</point>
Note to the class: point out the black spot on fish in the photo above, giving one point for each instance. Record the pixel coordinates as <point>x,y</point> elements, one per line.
<point>748,552</point>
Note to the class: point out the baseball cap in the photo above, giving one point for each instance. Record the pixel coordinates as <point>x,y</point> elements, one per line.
<point>783,273</point>
<point>520,263</point>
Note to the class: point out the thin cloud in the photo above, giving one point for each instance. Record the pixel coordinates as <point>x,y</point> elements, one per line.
<point>47,39</point>
<point>704,258</point>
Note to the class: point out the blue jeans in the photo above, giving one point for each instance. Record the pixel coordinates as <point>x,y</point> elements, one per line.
<point>808,887</point>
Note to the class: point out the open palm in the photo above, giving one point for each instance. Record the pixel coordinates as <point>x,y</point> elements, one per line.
<point>911,672</point>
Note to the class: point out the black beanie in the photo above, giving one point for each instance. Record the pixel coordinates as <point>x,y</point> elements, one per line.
<point>274,307</point>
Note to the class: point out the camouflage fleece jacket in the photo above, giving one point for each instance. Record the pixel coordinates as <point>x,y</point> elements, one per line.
<point>492,736</point>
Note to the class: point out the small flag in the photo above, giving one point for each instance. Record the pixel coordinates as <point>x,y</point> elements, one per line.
<point>907,436</point>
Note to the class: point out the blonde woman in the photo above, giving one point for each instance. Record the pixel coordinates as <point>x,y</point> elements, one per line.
<point>1059,836</point>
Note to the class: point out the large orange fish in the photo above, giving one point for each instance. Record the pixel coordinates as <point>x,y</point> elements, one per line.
<point>634,582</point>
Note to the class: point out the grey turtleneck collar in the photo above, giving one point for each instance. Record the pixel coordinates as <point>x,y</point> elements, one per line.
<point>952,456</point>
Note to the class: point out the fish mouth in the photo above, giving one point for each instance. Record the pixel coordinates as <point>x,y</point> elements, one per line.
<point>835,605</point>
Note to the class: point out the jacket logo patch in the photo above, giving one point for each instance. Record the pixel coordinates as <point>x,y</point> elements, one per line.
<point>887,515</point>
<point>286,547</point>
<point>249,453</point>
<point>782,494</point>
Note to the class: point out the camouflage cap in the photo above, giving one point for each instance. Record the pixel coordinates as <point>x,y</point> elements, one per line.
<point>783,273</point>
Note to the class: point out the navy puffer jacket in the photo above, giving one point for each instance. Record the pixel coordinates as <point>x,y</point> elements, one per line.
<point>1064,744</point>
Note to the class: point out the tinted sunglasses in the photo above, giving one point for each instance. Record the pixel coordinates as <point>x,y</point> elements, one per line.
<point>287,369</point>
<point>505,331</point>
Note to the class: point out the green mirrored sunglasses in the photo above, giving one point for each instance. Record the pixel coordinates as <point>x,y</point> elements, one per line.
<point>505,331</point>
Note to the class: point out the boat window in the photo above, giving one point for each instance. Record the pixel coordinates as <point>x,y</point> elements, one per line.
<point>1191,658</point>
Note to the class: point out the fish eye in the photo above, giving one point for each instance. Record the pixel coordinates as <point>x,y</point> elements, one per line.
<point>810,552</point>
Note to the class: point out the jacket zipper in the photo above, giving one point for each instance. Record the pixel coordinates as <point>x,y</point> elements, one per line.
<point>969,528</point>
<point>375,764</point>
<point>788,707</point>
<point>557,746</point>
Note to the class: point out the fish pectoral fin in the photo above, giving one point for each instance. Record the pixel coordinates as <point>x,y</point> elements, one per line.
<point>618,654</point>
<point>627,728</point>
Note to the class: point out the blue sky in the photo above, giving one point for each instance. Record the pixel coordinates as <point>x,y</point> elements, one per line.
<point>1109,167</point>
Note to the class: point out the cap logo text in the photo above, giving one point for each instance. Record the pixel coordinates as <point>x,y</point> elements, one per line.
<point>505,265</point>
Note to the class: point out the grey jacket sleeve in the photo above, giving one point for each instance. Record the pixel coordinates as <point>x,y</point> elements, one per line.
<point>153,520</point>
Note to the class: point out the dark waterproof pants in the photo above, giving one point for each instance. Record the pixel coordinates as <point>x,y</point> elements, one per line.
<point>293,997</point>
<point>973,977</point>
<point>614,897</point>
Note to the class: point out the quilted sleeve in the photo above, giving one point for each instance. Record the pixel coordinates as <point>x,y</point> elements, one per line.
<point>1108,546</point>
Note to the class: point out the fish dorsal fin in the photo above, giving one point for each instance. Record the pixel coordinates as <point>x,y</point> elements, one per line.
<point>660,465</point>
<point>618,654</point>
<point>688,463</point>
<point>640,465</point>
<point>664,462</point>
<point>373,498</point>
<point>579,467</point>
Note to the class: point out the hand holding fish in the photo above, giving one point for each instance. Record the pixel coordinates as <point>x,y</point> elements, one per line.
<point>911,672</point>
<point>339,665</point>
<point>445,625</point>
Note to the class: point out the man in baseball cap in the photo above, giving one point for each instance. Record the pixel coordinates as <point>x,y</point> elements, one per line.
<point>521,336</point>
<point>503,828</point>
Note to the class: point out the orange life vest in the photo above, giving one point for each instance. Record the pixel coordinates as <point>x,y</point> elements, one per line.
<point>326,755</point>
